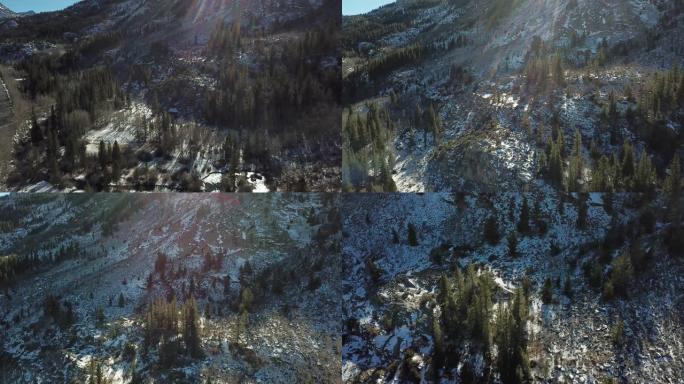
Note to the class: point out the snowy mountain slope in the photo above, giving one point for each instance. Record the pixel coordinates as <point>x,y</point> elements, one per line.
<point>391,288</point>
<point>477,64</point>
<point>6,12</point>
<point>288,335</point>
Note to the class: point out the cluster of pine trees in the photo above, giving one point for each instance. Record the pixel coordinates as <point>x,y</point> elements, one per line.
<point>660,100</point>
<point>541,71</point>
<point>613,276</point>
<point>466,317</point>
<point>530,221</point>
<point>290,84</point>
<point>395,58</point>
<point>62,312</point>
<point>465,302</point>
<point>367,30</point>
<point>511,340</point>
<point>81,97</point>
<point>14,265</point>
<point>95,374</point>
<point>163,323</point>
<point>367,156</point>
<point>624,171</point>
<point>9,265</point>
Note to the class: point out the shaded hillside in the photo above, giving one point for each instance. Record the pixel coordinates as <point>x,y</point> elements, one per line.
<point>206,95</point>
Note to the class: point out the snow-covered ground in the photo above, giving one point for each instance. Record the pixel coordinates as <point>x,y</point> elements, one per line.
<point>385,276</point>
<point>120,237</point>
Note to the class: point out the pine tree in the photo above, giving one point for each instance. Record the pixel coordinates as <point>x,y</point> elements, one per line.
<point>99,316</point>
<point>673,181</point>
<point>582,211</point>
<point>621,274</point>
<point>512,244</point>
<point>576,164</point>
<point>645,177</point>
<point>135,376</point>
<point>36,131</point>
<point>558,73</point>
<point>547,291</point>
<point>567,287</point>
<point>524,219</point>
<point>412,235</point>
<point>555,171</point>
<point>491,230</point>
<point>512,361</point>
<point>191,335</point>
<point>102,154</point>
<point>438,351</point>
<point>116,162</point>
<point>627,160</point>
<point>122,302</point>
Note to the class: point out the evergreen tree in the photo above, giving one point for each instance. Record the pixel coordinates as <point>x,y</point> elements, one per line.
<point>412,235</point>
<point>645,177</point>
<point>576,164</point>
<point>36,131</point>
<point>512,244</point>
<point>627,160</point>
<point>191,335</point>
<point>511,340</point>
<point>524,219</point>
<point>621,275</point>
<point>116,162</point>
<point>673,181</point>
<point>491,230</point>
<point>582,211</point>
<point>438,351</point>
<point>102,155</point>
<point>567,287</point>
<point>555,164</point>
<point>558,73</point>
<point>547,292</point>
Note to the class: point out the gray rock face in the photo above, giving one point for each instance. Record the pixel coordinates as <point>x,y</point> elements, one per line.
<point>6,12</point>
